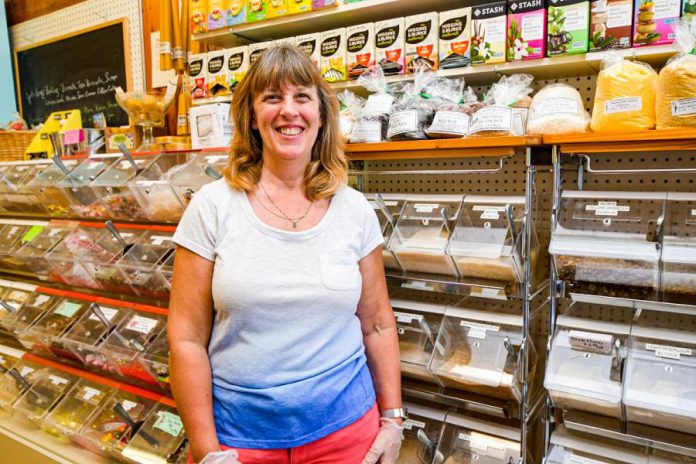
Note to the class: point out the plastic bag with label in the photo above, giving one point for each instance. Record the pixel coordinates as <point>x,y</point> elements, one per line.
<point>373,121</point>
<point>676,84</point>
<point>625,95</point>
<point>413,112</point>
<point>452,108</point>
<point>557,109</point>
<point>506,114</point>
<point>351,105</point>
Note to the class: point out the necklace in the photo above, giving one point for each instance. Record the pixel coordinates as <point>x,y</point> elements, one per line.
<point>282,214</point>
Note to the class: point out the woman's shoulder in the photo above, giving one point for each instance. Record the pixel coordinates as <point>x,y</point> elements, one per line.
<point>351,196</point>
<point>219,191</point>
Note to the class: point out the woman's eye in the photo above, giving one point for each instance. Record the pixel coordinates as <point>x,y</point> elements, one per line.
<point>303,96</point>
<point>271,98</point>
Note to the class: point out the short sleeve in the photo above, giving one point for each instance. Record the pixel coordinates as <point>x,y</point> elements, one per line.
<point>372,231</point>
<point>197,228</point>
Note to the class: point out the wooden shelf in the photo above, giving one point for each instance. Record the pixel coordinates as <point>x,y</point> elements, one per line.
<point>443,148</point>
<point>608,142</point>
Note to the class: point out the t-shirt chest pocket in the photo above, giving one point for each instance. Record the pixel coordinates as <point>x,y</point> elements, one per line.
<point>339,270</point>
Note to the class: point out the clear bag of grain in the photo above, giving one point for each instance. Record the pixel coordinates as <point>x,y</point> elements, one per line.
<point>453,110</point>
<point>373,121</point>
<point>676,84</point>
<point>506,113</point>
<point>625,96</point>
<point>351,105</point>
<point>557,109</point>
<point>413,112</point>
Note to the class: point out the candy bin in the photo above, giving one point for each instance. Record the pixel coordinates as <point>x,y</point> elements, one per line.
<point>43,395</point>
<point>156,360</point>
<point>15,382</point>
<point>422,233</point>
<point>76,408</point>
<point>128,341</point>
<point>85,201</point>
<point>110,428</point>
<point>166,270</point>
<point>422,432</point>
<point>10,241</point>
<point>679,248</point>
<point>31,311</point>
<point>140,264</point>
<point>417,326</point>
<point>85,338</point>
<point>160,440</point>
<point>38,242</point>
<point>11,301</point>
<point>8,360</point>
<point>467,440</point>
<point>112,187</point>
<point>201,170</point>
<point>45,187</point>
<point>54,323</point>
<point>64,259</point>
<point>154,191</point>
<point>16,198</point>
<point>388,208</point>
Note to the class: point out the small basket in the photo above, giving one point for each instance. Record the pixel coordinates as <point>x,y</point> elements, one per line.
<point>13,144</point>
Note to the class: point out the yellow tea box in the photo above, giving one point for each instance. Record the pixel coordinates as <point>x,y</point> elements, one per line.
<point>276,8</point>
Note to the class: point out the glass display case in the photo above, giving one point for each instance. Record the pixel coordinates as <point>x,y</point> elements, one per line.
<point>37,243</point>
<point>33,308</point>
<point>154,191</point>
<point>54,323</point>
<point>45,186</point>
<point>47,389</point>
<point>607,243</point>
<point>65,264</point>
<point>422,233</point>
<point>160,440</point>
<point>679,248</point>
<point>422,432</point>
<point>417,325</point>
<point>388,207</point>
<point>15,197</point>
<point>15,382</point>
<point>75,185</point>
<point>141,262</point>
<point>467,440</point>
<point>113,189</point>
<point>660,373</point>
<point>101,260</point>
<point>586,361</point>
<point>155,360</point>
<point>487,240</point>
<point>202,169</point>
<point>11,236</point>
<point>479,351</point>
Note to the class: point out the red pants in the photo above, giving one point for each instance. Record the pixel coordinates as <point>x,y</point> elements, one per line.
<point>346,446</point>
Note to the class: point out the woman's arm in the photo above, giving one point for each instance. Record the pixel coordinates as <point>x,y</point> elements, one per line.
<point>189,327</point>
<point>379,332</point>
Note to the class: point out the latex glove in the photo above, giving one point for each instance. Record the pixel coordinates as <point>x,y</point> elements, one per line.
<point>221,457</point>
<point>385,448</point>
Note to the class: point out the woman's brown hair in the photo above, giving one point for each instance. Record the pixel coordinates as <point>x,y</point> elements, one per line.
<point>278,66</point>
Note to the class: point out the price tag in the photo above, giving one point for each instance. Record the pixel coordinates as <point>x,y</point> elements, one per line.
<point>669,352</point>
<point>607,208</point>
<point>591,341</point>
<point>89,393</point>
<point>378,103</point>
<point>73,136</point>
<point>408,424</point>
<point>26,370</point>
<point>159,239</point>
<point>169,423</point>
<point>406,318</point>
<point>584,460</point>
<point>67,309</point>
<point>684,107</point>
<point>215,158</point>
<point>425,207</point>
<point>144,325</point>
<point>477,330</point>
<point>450,122</point>
<point>41,300</point>
<point>418,285</point>
<point>109,313</point>
<point>401,122</point>
<point>57,380</point>
<point>489,212</point>
<point>128,405</point>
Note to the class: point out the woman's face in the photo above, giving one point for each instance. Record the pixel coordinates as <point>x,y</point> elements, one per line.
<point>288,121</point>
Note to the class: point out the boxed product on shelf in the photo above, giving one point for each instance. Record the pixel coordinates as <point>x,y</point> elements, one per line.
<point>611,24</point>
<point>54,199</point>
<point>47,389</point>
<point>217,14</point>
<point>53,324</point>
<point>454,38</point>
<point>64,259</point>
<point>660,372</point>
<point>568,27</point>
<point>488,33</point>
<point>112,187</point>
<point>417,326</point>
<point>15,196</point>
<point>469,439</point>
<point>319,4</point>
<point>526,23</point>
<point>309,43</point>
<point>198,16</point>
<point>15,382</point>
<point>299,6</point>
<point>197,71</point>
<point>256,49</point>
<point>360,49</point>
<point>76,186</point>
<point>236,12</point>
<point>606,242</point>
<point>679,247</point>
<point>422,233</point>
<point>586,361</point>
<point>332,48</point>
<point>480,352</point>
<point>388,207</point>
<point>211,125</point>
<point>161,438</point>
<point>420,38</point>
<point>156,360</point>
<point>654,20</point>
<point>389,46</point>
<point>216,77</point>
<point>422,432</point>
<point>153,190</point>
<point>277,8</point>
<point>487,241</point>
<point>139,264</point>
<point>255,10</point>
<point>237,65</point>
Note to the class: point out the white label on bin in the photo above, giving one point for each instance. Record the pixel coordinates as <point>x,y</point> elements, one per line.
<point>215,158</point>
<point>144,325</point>
<point>583,460</point>
<point>128,405</point>
<point>41,299</point>
<point>623,105</point>
<point>670,352</point>
<point>367,131</point>
<point>88,393</point>
<point>684,107</point>
<point>410,423</point>
<point>26,370</point>
<point>55,380</point>
<point>477,330</point>
<point>489,212</point>
<point>67,309</point>
<point>417,285</point>
<point>386,203</point>
<point>607,208</point>
<point>13,230</point>
<point>109,313</point>
<point>159,239</point>
<point>556,105</point>
<point>693,212</point>
<point>425,207</point>
<point>404,318</point>
<point>401,122</point>
<point>450,122</point>
<point>491,119</point>
<point>479,442</point>
<point>590,341</point>
<point>379,103</point>
<point>169,423</point>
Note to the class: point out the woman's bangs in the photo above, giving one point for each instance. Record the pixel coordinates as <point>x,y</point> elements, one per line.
<point>280,66</point>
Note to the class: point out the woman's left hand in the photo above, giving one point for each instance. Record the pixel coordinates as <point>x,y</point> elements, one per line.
<point>385,448</point>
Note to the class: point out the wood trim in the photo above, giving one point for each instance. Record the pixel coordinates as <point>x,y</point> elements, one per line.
<point>613,142</point>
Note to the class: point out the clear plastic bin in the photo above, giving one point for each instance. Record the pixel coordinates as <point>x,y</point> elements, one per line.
<point>37,243</point>
<point>113,190</point>
<point>15,382</point>
<point>10,242</point>
<point>154,190</point>
<point>101,261</point>
<point>422,233</point>
<point>470,440</point>
<point>487,240</point>
<point>141,262</point>
<point>160,440</point>
<point>30,312</point>
<point>76,187</point>
<point>566,448</point>
<point>156,360</point>
<point>679,247</point>
<point>202,169</point>
<point>13,298</point>
<point>64,259</point>
<point>15,197</point>
<point>54,323</point>
<point>606,243</point>
<point>417,326</point>
<point>166,270</point>
<point>422,432</point>
<point>45,186</point>
<point>46,391</point>
<point>479,351</point>
<point>388,207</point>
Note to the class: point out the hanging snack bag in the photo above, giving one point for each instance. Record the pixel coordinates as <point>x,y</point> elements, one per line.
<point>421,42</point>
<point>414,110</point>
<point>625,96</point>
<point>332,48</point>
<point>373,121</point>
<point>360,53</point>
<point>557,109</point>
<point>676,84</point>
<point>389,45</point>
<point>454,38</point>
<point>451,118</point>
<point>489,33</point>
<point>507,113</point>
<point>351,105</point>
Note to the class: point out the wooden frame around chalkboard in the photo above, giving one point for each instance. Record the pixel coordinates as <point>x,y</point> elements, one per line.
<point>126,52</point>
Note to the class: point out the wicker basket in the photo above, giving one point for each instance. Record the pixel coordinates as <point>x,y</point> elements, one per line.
<point>13,144</point>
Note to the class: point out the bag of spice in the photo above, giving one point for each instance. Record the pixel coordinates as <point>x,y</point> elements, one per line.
<point>351,105</point>
<point>373,121</point>
<point>676,84</point>
<point>452,110</point>
<point>557,109</point>
<point>413,111</point>
<point>506,113</point>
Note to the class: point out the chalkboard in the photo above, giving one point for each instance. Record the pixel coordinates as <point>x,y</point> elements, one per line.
<point>76,71</point>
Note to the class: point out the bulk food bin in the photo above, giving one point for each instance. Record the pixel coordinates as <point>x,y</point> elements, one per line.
<point>11,301</point>
<point>660,373</point>
<point>585,363</point>
<point>569,449</point>
<point>37,243</point>
<point>15,197</point>
<point>10,241</point>
<point>101,261</point>
<point>479,351</point>
<point>75,186</point>
<point>34,307</point>
<point>417,326</point>
<point>64,260</point>
<point>47,389</point>
<point>160,440</point>
<point>155,360</point>
<point>166,270</point>
<point>53,324</point>
<point>422,233</point>
<point>15,382</point>
<point>388,207</point>
<point>201,170</point>
<point>471,440</point>
<point>487,240</point>
<point>422,432</point>
<point>45,186</point>
<point>141,262</point>
<point>607,243</point>
<point>679,247</point>
<point>154,190</point>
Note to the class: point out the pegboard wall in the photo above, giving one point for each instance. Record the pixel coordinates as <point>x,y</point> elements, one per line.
<point>85,15</point>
